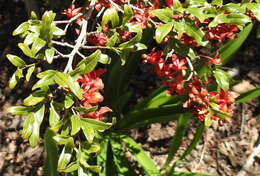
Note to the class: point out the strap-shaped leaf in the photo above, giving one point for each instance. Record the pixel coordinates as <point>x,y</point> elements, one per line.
<point>49,54</point>
<point>248,95</point>
<point>54,116</point>
<point>75,124</point>
<point>177,139</point>
<point>230,48</point>
<point>95,124</point>
<point>51,161</point>
<point>222,78</point>
<point>139,154</point>
<point>122,165</point>
<point>29,73</point>
<point>102,157</point>
<point>147,114</point>
<point>64,158</point>
<point>19,110</point>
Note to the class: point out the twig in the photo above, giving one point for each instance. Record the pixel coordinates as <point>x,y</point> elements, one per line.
<point>80,39</point>
<point>249,162</point>
<point>116,6</point>
<point>191,68</point>
<point>68,21</point>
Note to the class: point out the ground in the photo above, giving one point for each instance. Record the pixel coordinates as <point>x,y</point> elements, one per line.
<point>224,149</point>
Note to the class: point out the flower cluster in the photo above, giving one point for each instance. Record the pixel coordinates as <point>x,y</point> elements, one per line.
<point>200,102</point>
<point>221,32</point>
<point>92,84</point>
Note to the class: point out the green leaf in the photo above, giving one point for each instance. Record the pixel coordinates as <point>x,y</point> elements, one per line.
<point>26,50</point>
<point>255,9</point>
<point>35,98</point>
<point>110,15</point>
<point>38,117</point>
<point>95,124</point>
<point>230,48</point>
<point>232,18</point>
<point>102,157</point>
<point>142,116</point>
<point>162,31</point>
<point>222,78</point>
<point>64,158</point>
<point>68,101</point>
<point>71,167</point>
<point>24,27</point>
<point>83,110</point>
<point>19,110</point>
<point>75,124</point>
<point>88,64</point>
<point>177,139</point>
<point>165,15</point>
<point>57,31</point>
<point>15,60</point>
<point>30,38</point>
<point>49,54</point>
<point>217,2</point>
<point>134,29</point>
<point>28,126</point>
<point>199,13</point>
<point>88,131</point>
<point>104,59</point>
<point>195,33</point>
<point>139,154</point>
<point>18,74</point>
<point>29,73</point>
<point>248,95</point>
<point>37,45</point>
<point>54,116</point>
<point>188,174</point>
<point>66,80</point>
<point>122,165</point>
<point>51,161</point>
<point>64,140</point>
<point>128,13</point>
<point>45,30</point>
<point>47,78</point>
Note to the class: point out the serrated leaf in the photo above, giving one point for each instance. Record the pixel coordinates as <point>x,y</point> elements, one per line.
<point>75,124</point>
<point>21,28</point>
<point>165,15</point>
<point>38,117</point>
<point>248,95</point>
<point>110,15</point>
<point>29,73</point>
<point>49,54</point>
<point>15,60</point>
<point>222,79</point>
<point>162,31</point>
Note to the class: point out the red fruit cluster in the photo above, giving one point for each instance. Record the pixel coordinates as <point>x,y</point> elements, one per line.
<point>72,12</point>
<point>92,84</point>
<point>106,3</point>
